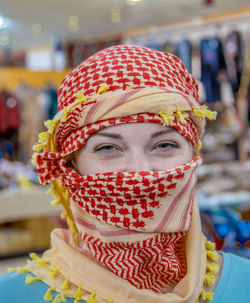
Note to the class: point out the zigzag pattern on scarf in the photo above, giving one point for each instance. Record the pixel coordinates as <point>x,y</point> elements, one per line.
<point>157,263</point>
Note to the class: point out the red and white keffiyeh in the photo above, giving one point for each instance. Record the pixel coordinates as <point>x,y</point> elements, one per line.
<point>139,226</point>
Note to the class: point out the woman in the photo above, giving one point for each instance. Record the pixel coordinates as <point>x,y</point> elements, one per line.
<point>121,155</point>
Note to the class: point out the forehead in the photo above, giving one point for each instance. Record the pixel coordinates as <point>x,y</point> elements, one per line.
<point>136,129</point>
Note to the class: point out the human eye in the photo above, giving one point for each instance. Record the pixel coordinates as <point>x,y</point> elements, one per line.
<point>105,148</point>
<point>162,146</point>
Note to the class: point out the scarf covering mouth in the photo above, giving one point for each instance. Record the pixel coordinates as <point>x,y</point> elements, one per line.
<point>125,84</point>
<point>155,205</point>
<point>145,201</point>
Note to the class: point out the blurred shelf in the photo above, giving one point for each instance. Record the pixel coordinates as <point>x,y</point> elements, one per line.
<point>26,204</point>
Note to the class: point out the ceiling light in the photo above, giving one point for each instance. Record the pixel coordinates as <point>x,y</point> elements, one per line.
<point>115,14</point>
<point>37,29</point>
<point>4,38</point>
<point>133,1</point>
<point>1,21</point>
<point>73,23</point>
<point>4,22</point>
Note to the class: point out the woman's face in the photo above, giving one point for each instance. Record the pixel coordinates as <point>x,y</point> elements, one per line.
<point>133,147</point>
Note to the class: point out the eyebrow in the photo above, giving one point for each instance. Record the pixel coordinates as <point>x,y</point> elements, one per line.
<point>162,132</point>
<point>114,136</point>
<point>119,137</point>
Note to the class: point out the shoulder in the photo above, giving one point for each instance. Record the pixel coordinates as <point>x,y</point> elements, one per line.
<point>14,289</point>
<point>233,285</point>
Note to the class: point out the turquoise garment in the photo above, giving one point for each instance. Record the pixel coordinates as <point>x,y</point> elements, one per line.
<point>14,290</point>
<point>233,285</point>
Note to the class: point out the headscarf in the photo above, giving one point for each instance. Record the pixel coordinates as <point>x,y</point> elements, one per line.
<point>128,242</point>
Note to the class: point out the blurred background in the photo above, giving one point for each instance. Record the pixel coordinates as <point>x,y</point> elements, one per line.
<point>41,41</point>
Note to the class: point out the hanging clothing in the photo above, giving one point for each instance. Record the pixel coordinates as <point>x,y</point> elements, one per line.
<point>184,52</point>
<point>9,112</point>
<point>9,124</point>
<point>212,61</point>
<point>51,95</point>
<point>234,57</point>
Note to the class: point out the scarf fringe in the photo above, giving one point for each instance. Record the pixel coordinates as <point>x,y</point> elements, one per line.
<point>46,139</point>
<point>212,269</point>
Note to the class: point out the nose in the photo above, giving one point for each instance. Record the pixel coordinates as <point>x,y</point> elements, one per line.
<point>138,161</point>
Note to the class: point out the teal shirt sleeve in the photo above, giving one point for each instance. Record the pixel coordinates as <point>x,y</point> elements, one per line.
<point>234,284</point>
<point>14,290</point>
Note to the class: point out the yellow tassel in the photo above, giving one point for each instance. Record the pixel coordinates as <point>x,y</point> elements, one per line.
<point>30,280</point>
<point>212,255</point>
<point>199,112</point>
<point>71,225</point>
<point>209,296</point>
<point>203,295</point>
<point>210,245</point>
<point>206,295</point>
<point>34,159</point>
<point>80,98</point>
<point>63,215</point>
<point>78,294</point>
<point>209,279</point>
<point>56,195</point>
<point>49,123</point>
<point>39,260</point>
<point>208,113</point>
<point>53,271</point>
<point>43,137</point>
<point>213,268</point>
<point>37,147</point>
<point>102,89</point>
<point>42,262</point>
<point>110,301</point>
<point>128,88</point>
<point>91,298</point>
<point>50,190</point>
<point>167,118</point>
<point>64,116</point>
<point>48,295</point>
<point>22,270</point>
<point>73,229</point>
<point>55,202</point>
<point>65,285</point>
<point>75,237</point>
<point>59,298</point>
<point>34,256</point>
<point>181,116</point>
<point>199,145</point>
<point>11,269</point>
<point>211,115</point>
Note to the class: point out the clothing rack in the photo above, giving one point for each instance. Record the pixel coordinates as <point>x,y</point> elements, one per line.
<point>193,27</point>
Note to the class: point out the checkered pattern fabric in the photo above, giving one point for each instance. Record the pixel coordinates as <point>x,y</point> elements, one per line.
<point>152,209</point>
<point>122,67</point>
<point>156,203</point>
<point>159,201</point>
<point>48,162</point>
